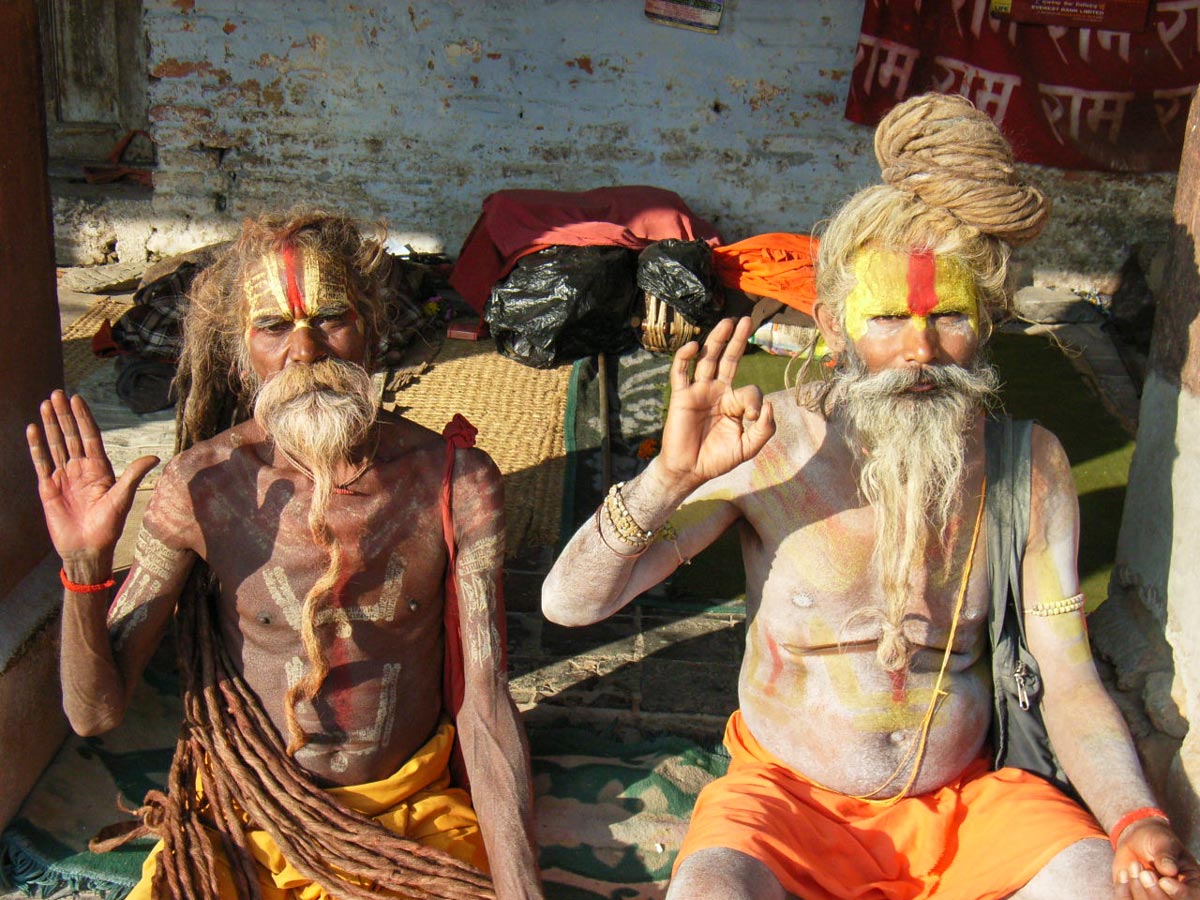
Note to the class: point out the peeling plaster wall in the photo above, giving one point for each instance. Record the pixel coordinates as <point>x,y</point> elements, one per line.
<point>418,111</point>
<point>415,112</point>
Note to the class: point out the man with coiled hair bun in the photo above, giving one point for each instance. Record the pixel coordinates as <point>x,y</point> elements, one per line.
<point>864,758</point>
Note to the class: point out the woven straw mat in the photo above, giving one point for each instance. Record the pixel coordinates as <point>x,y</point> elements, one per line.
<point>519,413</point>
<point>78,359</point>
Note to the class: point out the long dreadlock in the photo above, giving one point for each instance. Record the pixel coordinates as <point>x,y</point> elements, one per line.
<point>227,745</point>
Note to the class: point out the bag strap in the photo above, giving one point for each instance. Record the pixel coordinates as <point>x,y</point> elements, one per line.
<point>1009,452</point>
<point>1008,461</point>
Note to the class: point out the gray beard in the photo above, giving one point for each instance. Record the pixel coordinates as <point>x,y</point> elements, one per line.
<point>316,415</point>
<point>913,450</point>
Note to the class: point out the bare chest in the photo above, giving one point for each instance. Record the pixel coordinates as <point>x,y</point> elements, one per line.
<point>818,584</point>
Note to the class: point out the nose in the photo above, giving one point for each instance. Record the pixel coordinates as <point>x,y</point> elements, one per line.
<point>920,341</point>
<point>305,344</point>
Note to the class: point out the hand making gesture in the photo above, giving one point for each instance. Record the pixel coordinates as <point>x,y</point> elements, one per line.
<point>1168,870</point>
<point>711,428</point>
<point>85,505</point>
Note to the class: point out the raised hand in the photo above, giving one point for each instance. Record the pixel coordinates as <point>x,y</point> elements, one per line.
<point>85,505</point>
<point>1151,863</point>
<point>712,428</point>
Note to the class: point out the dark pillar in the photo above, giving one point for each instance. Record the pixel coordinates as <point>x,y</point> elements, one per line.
<point>30,341</point>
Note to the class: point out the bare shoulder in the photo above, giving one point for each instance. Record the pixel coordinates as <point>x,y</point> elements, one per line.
<point>417,450</point>
<point>1054,511</point>
<point>422,452</point>
<point>1051,466</point>
<point>794,421</point>
<point>188,475</point>
<point>800,433</point>
<point>215,451</point>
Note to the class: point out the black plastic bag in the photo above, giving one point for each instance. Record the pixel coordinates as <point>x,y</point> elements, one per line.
<point>563,303</point>
<point>680,273</point>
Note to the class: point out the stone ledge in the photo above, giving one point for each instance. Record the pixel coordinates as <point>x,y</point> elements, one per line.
<point>32,603</point>
<point>32,724</point>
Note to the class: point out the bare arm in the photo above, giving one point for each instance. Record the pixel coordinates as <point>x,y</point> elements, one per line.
<point>1087,730</point>
<point>711,429</point>
<point>490,731</point>
<point>86,508</point>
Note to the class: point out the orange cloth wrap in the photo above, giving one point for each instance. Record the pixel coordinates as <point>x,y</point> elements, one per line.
<point>981,837</point>
<point>416,802</point>
<point>777,265</point>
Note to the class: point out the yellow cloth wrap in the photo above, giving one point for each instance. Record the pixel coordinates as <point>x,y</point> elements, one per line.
<point>416,802</point>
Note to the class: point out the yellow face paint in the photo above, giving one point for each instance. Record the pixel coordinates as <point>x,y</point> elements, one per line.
<point>278,291</point>
<point>909,286</point>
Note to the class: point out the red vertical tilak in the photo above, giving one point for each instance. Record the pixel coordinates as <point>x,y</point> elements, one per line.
<point>922,273</point>
<point>294,297</point>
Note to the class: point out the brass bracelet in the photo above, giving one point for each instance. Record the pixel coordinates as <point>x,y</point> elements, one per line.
<point>622,521</point>
<point>1058,607</point>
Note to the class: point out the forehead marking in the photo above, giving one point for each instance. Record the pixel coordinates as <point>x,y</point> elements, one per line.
<point>295,299</point>
<point>922,290</point>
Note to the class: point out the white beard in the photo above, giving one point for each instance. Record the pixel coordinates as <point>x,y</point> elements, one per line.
<point>914,458</point>
<point>316,415</point>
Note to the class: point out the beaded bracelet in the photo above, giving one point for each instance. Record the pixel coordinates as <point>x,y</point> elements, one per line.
<point>600,531</point>
<point>84,588</point>
<point>1146,812</point>
<point>622,521</point>
<point>1058,607</point>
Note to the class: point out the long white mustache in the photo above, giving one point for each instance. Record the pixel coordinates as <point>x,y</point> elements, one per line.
<point>913,446</point>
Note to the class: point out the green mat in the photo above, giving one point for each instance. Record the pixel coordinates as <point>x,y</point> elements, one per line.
<point>610,815</point>
<point>1039,383</point>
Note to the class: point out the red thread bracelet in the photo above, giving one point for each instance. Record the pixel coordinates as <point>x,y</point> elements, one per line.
<point>1146,812</point>
<point>84,588</point>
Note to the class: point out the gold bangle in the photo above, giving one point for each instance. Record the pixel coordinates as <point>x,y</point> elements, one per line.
<point>622,521</point>
<point>1058,607</point>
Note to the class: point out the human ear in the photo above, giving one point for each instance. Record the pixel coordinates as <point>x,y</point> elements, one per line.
<point>830,325</point>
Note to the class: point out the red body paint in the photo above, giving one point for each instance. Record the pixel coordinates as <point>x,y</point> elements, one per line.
<point>295,298</point>
<point>922,274</point>
<point>776,665</point>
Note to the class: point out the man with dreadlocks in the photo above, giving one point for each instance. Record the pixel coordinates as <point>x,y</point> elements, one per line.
<point>346,553</point>
<point>860,765</point>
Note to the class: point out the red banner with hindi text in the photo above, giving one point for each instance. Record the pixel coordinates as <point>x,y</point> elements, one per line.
<point>1076,98</point>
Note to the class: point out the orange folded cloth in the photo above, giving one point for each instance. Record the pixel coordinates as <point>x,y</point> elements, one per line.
<point>777,265</point>
<point>981,837</point>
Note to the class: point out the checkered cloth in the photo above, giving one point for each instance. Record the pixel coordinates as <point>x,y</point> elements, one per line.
<point>151,329</point>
